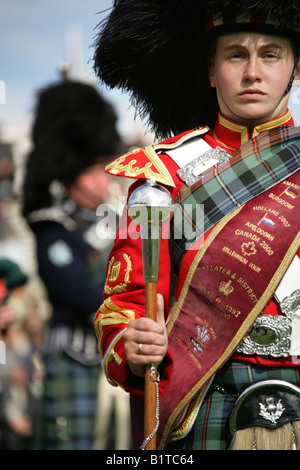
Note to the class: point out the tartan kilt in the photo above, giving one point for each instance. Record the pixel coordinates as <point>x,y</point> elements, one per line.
<point>65,418</point>
<point>211,428</point>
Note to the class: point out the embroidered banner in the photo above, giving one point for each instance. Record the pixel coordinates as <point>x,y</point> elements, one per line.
<point>228,285</point>
<point>255,167</point>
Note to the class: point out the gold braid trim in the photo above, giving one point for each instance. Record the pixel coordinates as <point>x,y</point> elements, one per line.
<point>111,314</point>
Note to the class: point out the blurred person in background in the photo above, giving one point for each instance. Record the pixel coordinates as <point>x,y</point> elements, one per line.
<point>74,135</point>
<point>12,277</point>
<point>6,170</point>
<point>21,378</point>
<point>13,281</point>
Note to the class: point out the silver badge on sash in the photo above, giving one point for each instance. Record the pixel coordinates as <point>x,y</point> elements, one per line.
<point>278,336</point>
<point>288,296</point>
<point>191,172</point>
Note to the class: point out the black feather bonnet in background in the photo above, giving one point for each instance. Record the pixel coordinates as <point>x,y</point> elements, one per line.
<point>157,51</point>
<point>74,128</point>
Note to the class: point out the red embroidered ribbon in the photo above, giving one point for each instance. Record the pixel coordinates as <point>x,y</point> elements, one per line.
<point>228,285</point>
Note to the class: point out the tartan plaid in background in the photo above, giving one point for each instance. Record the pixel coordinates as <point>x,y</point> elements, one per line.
<point>254,167</point>
<point>67,411</point>
<point>211,428</point>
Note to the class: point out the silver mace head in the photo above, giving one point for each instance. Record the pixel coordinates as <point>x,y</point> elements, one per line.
<point>150,206</point>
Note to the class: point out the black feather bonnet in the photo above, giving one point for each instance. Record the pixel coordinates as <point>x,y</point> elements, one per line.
<point>74,128</point>
<point>157,51</point>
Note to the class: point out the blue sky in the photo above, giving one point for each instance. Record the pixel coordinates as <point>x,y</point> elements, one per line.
<point>33,44</point>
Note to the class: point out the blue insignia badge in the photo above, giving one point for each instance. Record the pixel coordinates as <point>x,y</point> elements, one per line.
<point>60,254</point>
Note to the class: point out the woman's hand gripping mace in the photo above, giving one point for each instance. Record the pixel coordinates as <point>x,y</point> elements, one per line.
<point>150,206</point>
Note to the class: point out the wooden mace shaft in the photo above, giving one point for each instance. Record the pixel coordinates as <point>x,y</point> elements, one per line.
<point>150,390</point>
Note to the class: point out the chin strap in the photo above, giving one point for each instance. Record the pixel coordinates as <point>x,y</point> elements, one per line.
<point>290,84</point>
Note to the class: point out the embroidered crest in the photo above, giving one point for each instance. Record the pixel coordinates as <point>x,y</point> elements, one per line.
<point>116,268</point>
<point>270,411</point>
<point>225,288</point>
<point>203,336</point>
<point>249,248</point>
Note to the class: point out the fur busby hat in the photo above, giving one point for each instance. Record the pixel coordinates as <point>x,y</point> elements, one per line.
<point>74,128</point>
<point>157,51</point>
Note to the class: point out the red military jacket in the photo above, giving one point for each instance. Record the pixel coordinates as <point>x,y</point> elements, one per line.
<point>124,287</point>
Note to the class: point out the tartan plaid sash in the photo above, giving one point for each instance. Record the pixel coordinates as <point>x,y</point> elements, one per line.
<point>255,167</point>
<point>216,279</point>
<point>223,294</point>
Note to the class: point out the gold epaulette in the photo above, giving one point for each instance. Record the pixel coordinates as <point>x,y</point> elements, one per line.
<point>141,163</point>
<point>145,163</point>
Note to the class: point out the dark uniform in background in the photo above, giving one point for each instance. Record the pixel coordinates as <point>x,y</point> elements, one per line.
<point>74,132</point>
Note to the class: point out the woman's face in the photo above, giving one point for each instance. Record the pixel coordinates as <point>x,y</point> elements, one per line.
<point>250,72</point>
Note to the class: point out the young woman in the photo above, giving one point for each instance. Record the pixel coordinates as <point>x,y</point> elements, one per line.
<point>230,66</point>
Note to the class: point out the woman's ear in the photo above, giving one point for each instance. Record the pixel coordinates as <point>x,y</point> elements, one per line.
<point>297,74</point>
<point>211,72</point>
